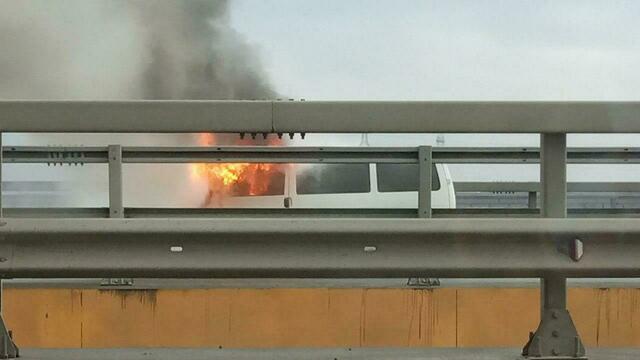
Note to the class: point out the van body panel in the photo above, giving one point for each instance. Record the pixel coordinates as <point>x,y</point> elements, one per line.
<point>372,198</point>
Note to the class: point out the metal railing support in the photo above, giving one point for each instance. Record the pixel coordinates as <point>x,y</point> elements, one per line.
<point>1,211</point>
<point>553,175</point>
<point>533,200</point>
<point>553,295</point>
<point>1,176</point>
<point>116,207</point>
<point>8,349</point>
<point>424,189</point>
<point>425,164</point>
<point>116,202</point>
<point>556,336</point>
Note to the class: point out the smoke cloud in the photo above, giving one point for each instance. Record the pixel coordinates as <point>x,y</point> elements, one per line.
<point>117,49</point>
<point>126,50</point>
<point>204,58</point>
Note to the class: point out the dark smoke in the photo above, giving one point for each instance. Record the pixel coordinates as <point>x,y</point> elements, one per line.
<point>193,43</point>
<point>126,50</point>
<point>117,49</point>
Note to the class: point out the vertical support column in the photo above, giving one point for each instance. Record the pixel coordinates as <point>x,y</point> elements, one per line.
<point>116,204</point>
<point>116,208</point>
<point>556,336</point>
<point>425,179</point>
<point>553,175</point>
<point>1,213</point>
<point>425,164</point>
<point>553,292</point>
<point>533,200</point>
<point>553,192</point>
<point>1,162</point>
<point>8,349</point>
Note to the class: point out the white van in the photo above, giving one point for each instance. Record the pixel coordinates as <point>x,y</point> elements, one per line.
<point>393,186</point>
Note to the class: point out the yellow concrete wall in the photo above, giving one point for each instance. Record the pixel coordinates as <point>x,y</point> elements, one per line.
<point>308,317</point>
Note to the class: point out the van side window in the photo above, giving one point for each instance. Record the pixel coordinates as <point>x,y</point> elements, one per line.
<point>333,178</point>
<point>402,177</point>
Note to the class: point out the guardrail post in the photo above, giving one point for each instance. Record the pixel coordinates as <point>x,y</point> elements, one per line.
<point>533,200</point>
<point>556,336</point>
<point>425,165</point>
<point>8,349</point>
<point>1,162</point>
<point>116,208</point>
<point>553,175</point>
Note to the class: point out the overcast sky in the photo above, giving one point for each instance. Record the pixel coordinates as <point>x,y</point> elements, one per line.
<point>446,50</point>
<point>453,50</point>
<point>372,50</point>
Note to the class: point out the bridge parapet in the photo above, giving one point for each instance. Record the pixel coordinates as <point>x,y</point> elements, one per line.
<point>552,249</point>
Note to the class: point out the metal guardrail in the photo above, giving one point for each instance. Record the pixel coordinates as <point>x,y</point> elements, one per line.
<point>526,186</point>
<point>273,154</point>
<point>320,116</point>
<point>552,248</point>
<point>115,156</point>
<point>533,188</point>
<point>339,248</point>
<point>293,213</point>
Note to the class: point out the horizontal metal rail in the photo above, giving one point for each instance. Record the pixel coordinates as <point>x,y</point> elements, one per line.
<point>262,154</point>
<point>271,154</point>
<point>319,116</point>
<point>339,248</point>
<point>207,213</point>
<point>526,186</point>
<point>306,283</point>
<point>526,155</point>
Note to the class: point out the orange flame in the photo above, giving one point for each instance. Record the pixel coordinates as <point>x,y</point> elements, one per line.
<point>234,179</point>
<point>223,177</point>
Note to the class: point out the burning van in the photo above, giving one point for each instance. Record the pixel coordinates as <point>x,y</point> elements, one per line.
<point>380,185</point>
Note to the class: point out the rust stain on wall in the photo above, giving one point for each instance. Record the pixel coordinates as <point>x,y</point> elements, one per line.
<point>145,297</point>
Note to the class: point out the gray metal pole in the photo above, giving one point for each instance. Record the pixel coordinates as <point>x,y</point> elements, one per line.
<point>553,184</point>
<point>116,202</point>
<point>556,336</point>
<point>533,200</point>
<point>553,175</point>
<point>116,207</point>
<point>554,292</point>
<point>424,189</point>
<point>1,163</point>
